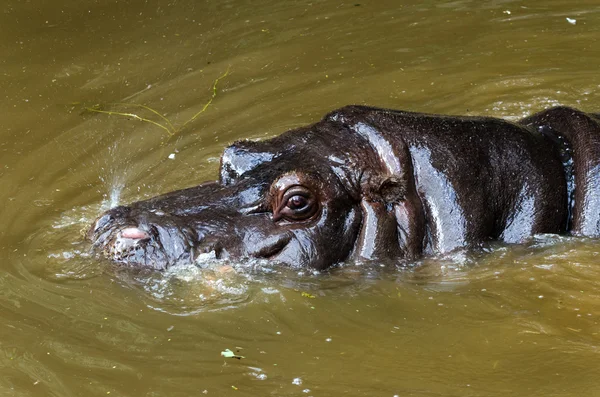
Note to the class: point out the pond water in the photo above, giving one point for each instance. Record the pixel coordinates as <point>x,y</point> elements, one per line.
<point>508,320</point>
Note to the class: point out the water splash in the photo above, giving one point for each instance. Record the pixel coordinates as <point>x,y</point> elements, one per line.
<point>115,193</point>
<point>114,188</point>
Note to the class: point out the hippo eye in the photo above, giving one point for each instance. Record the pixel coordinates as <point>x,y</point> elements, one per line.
<point>296,204</point>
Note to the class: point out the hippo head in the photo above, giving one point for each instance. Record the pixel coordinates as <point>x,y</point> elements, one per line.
<point>311,197</point>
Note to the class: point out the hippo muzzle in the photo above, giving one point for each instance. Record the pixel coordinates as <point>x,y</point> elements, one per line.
<point>136,237</point>
<point>375,184</point>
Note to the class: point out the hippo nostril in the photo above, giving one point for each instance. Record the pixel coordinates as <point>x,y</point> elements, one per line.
<point>100,228</point>
<point>102,222</point>
<point>134,233</point>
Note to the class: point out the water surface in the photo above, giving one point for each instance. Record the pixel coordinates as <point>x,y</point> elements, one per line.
<point>517,320</point>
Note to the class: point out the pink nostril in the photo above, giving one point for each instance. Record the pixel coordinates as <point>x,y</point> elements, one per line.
<point>134,233</point>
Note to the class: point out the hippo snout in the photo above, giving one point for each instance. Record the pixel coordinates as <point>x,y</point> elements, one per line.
<point>141,239</point>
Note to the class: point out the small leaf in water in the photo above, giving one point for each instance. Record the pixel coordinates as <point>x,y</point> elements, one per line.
<point>307,295</point>
<point>229,354</point>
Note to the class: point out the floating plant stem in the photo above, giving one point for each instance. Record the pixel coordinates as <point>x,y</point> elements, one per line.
<point>132,115</point>
<point>214,94</point>
<point>170,126</point>
<point>166,123</point>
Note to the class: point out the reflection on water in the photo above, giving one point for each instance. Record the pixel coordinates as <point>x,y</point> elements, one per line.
<point>502,320</point>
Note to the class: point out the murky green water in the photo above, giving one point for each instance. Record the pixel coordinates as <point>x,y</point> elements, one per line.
<point>517,321</point>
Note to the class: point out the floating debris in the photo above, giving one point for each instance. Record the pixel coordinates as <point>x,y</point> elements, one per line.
<point>229,354</point>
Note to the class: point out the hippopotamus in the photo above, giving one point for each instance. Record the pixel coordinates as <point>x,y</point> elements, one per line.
<point>371,184</point>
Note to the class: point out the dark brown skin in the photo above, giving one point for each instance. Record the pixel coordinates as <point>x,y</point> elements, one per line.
<point>374,184</point>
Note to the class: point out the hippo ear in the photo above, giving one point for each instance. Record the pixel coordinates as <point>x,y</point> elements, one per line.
<point>390,189</point>
<point>378,238</point>
<point>393,224</point>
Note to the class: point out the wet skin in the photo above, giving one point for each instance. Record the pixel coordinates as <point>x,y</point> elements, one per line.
<point>373,184</point>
